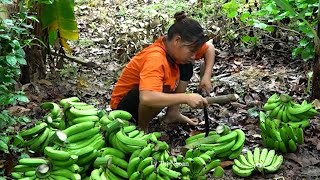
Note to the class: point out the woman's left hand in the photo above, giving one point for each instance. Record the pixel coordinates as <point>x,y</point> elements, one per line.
<point>205,85</point>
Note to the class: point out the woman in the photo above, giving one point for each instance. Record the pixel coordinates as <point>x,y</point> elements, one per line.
<point>158,76</point>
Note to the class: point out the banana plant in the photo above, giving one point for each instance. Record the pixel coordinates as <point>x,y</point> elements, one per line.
<point>58,17</point>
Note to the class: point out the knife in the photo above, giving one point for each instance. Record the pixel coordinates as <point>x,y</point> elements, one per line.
<point>206,120</point>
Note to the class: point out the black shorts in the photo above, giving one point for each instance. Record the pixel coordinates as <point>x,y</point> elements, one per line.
<point>130,102</point>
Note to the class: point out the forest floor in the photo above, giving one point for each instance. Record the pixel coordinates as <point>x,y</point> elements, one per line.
<point>253,73</point>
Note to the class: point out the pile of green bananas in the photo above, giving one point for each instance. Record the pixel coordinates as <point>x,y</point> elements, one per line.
<point>225,146</point>
<point>264,161</point>
<point>285,109</point>
<point>76,138</point>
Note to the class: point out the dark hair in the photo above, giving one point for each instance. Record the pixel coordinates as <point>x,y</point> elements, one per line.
<point>188,29</point>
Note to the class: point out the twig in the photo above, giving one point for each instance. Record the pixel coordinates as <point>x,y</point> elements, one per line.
<point>75,59</point>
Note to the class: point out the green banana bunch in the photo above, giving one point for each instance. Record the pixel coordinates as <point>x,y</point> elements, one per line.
<point>38,168</point>
<point>37,137</point>
<point>262,160</point>
<point>225,145</point>
<point>283,137</point>
<point>285,109</point>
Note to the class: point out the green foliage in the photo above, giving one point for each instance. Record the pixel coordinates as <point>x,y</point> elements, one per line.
<point>62,21</point>
<point>8,138</point>
<point>297,16</point>
<point>14,36</point>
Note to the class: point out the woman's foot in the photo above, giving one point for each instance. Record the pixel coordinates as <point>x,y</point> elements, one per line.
<point>180,119</point>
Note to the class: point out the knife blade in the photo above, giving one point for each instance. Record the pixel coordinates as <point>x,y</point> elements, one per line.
<point>206,120</point>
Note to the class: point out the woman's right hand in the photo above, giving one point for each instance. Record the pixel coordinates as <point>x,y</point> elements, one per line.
<point>196,101</point>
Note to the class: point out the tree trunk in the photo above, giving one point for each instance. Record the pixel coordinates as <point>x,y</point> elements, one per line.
<point>315,94</point>
<point>35,55</point>
<point>316,77</point>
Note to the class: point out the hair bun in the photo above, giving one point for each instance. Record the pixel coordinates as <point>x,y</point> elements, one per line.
<point>180,15</point>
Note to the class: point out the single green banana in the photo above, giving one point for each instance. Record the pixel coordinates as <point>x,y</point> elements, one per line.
<point>83,143</point>
<point>300,135</point>
<point>163,170</point>
<point>118,171</point>
<point>298,109</point>
<point>244,161</point>
<point>240,139</point>
<point>40,139</point>
<point>34,130</point>
<point>65,164</point>
<point>148,170</point>
<point>132,165</point>
<point>284,135</point>
<point>291,133</point>
<point>263,155</point>
<point>95,174</point>
<point>241,172</point>
<point>275,111</point>
<point>262,117</point>
<point>275,165</point>
<point>280,113</point>
<point>144,163</point>
<point>119,162</point>
<point>32,162</point>
<point>269,158</point>
<point>250,157</point>
<point>66,173</point>
<point>83,135</point>
<point>85,119</point>
<point>112,151</point>
<point>63,102</point>
<point>136,154</point>
<point>104,161</point>
<point>236,153</point>
<point>241,165</point>
<point>256,155</point>
<point>80,113</point>
<point>54,107</point>
<point>229,137</point>
<point>292,145</point>
<point>121,114</point>
<point>130,141</point>
<point>271,106</point>
<point>77,128</point>
<point>303,124</point>
<point>87,159</point>
<point>282,147</point>
<point>136,176</point>
<point>218,172</point>
<point>273,98</point>
<point>128,129</point>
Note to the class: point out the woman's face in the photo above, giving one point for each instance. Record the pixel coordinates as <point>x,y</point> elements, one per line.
<point>184,52</point>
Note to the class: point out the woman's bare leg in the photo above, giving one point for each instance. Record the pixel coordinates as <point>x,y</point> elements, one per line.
<point>146,114</point>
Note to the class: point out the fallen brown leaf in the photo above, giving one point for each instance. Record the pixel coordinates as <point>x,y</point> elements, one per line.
<point>226,163</point>
<point>44,82</point>
<point>17,110</point>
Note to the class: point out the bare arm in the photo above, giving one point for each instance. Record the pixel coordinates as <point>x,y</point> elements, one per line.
<point>209,59</point>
